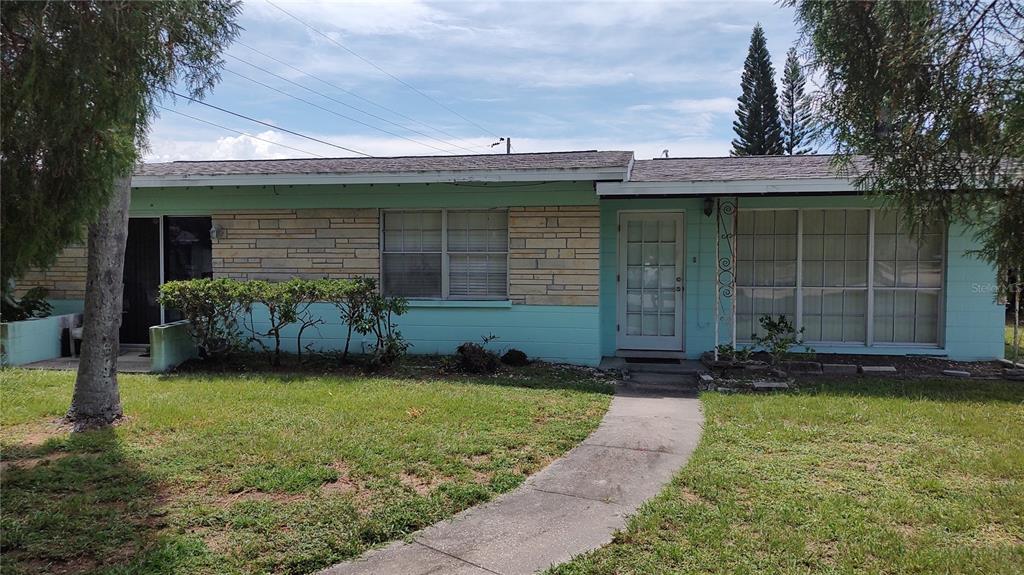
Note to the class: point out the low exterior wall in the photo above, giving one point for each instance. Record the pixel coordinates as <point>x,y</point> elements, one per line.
<point>34,339</point>
<point>170,345</point>
<point>565,334</point>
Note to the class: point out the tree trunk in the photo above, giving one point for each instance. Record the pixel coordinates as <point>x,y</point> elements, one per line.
<point>97,399</point>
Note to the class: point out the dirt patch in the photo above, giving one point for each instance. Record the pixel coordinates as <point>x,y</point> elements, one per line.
<point>422,485</point>
<point>34,434</point>
<point>690,497</point>
<point>260,496</point>
<point>344,483</point>
<point>31,462</point>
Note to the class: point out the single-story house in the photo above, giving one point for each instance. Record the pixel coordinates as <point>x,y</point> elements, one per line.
<point>568,256</point>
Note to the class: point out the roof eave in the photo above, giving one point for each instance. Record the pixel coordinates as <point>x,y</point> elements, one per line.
<point>561,174</point>
<point>728,187</point>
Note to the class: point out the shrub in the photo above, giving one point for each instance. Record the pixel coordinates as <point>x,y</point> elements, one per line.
<point>780,336</point>
<point>286,303</point>
<point>212,307</point>
<point>515,358</point>
<point>474,358</point>
<point>353,305</point>
<point>32,304</point>
<point>379,320</point>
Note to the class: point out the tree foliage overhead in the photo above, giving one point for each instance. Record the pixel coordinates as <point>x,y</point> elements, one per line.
<point>81,80</point>
<point>796,112</point>
<point>757,125</point>
<point>932,92</point>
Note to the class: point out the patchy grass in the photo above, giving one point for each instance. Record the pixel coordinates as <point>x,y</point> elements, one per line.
<point>853,477</point>
<point>258,474</point>
<point>1008,351</point>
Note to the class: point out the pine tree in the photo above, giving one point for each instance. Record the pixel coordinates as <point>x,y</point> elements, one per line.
<point>796,118</point>
<point>757,125</point>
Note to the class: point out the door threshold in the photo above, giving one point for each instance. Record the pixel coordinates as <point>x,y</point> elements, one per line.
<point>649,354</point>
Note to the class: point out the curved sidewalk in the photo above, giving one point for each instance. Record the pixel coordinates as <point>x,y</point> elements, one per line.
<point>570,507</point>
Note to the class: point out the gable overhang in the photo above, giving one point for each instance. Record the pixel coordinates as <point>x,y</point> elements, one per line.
<point>701,188</point>
<point>617,173</point>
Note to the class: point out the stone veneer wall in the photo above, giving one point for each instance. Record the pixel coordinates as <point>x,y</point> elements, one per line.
<point>553,251</point>
<point>283,244</point>
<point>65,279</point>
<point>553,255</point>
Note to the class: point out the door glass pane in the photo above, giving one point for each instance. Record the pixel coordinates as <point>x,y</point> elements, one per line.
<point>651,299</point>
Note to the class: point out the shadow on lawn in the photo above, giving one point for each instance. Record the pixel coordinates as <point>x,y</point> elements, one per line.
<point>75,505</point>
<point>941,390</point>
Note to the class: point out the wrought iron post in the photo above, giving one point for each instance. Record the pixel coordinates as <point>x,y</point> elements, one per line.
<point>725,257</point>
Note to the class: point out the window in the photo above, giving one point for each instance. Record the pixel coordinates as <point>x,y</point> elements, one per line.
<point>766,267</point>
<point>456,254</point>
<point>840,276</point>
<point>835,275</point>
<point>907,282</point>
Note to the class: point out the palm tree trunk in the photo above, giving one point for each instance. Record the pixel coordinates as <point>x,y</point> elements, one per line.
<point>97,400</point>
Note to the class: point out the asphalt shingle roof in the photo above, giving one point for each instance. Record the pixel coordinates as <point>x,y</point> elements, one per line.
<point>737,168</point>
<point>406,164</point>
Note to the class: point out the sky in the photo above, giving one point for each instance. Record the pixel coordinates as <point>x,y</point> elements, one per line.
<point>645,76</point>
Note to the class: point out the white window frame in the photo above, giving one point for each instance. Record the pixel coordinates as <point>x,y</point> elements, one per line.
<point>871,287</point>
<point>445,261</point>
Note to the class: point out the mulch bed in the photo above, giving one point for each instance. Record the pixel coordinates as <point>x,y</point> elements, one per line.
<point>916,365</point>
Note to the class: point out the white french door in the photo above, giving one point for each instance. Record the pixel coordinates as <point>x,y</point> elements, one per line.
<point>650,281</point>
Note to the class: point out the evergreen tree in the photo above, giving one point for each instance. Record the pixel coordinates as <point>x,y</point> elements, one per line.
<point>796,117</point>
<point>757,126</point>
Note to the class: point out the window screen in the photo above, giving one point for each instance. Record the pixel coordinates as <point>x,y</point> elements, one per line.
<point>907,282</point>
<point>905,285</point>
<point>765,268</point>
<point>472,254</point>
<point>835,275</point>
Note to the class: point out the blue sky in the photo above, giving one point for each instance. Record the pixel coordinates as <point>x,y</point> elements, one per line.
<point>644,76</point>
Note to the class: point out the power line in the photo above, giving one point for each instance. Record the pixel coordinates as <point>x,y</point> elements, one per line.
<point>382,70</point>
<point>355,95</point>
<point>330,111</point>
<point>292,132</point>
<point>237,131</point>
<point>347,105</point>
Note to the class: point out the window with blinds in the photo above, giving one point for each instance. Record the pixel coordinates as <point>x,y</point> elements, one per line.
<point>449,254</point>
<point>845,286</point>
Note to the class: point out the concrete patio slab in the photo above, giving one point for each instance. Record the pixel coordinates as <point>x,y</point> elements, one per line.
<point>572,506</point>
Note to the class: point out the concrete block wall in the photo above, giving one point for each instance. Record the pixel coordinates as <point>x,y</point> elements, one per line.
<point>554,255</point>
<point>283,244</point>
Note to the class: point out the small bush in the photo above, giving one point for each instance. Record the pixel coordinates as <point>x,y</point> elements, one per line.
<point>780,336</point>
<point>515,358</point>
<point>212,307</point>
<point>474,358</point>
<point>32,304</point>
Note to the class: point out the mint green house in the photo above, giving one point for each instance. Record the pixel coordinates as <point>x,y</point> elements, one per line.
<point>569,256</point>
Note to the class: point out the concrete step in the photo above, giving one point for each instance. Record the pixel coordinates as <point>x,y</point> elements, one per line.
<point>660,381</point>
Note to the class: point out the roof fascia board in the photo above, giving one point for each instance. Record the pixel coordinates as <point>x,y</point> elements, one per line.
<point>727,187</point>
<point>171,181</point>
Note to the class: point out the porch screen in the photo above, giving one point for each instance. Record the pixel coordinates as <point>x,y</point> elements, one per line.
<point>452,254</point>
<point>766,267</point>
<point>845,286</point>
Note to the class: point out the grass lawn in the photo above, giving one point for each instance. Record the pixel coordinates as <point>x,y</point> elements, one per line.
<point>856,476</point>
<point>250,474</point>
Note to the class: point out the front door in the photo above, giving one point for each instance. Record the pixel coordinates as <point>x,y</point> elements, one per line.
<point>650,281</point>
<point>140,309</point>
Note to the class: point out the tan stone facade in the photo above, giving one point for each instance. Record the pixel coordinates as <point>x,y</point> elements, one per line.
<point>553,255</point>
<point>553,251</point>
<point>64,280</point>
<point>282,244</point>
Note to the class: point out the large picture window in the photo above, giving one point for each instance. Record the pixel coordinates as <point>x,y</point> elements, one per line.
<point>445,254</point>
<point>849,286</point>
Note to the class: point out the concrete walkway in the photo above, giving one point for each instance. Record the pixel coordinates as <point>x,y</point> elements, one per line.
<point>570,507</point>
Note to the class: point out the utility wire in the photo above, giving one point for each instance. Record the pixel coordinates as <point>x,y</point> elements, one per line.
<point>347,105</point>
<point>382,70</point>
<point>237,131</point>
<point>330,111</point>
<point>355,95</point>
<point>243,116</point>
